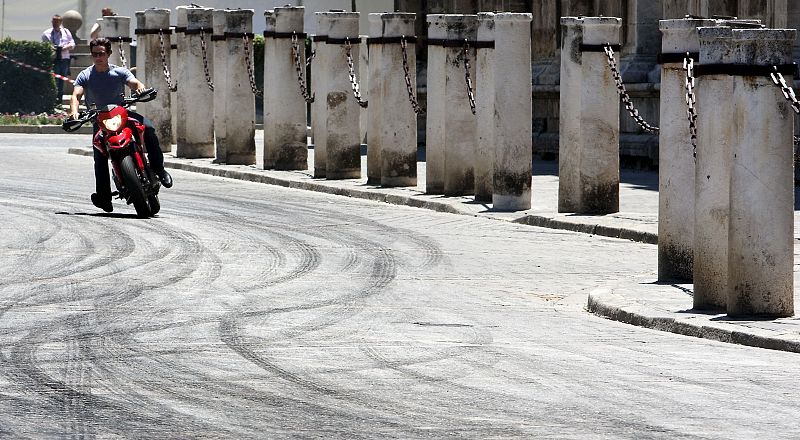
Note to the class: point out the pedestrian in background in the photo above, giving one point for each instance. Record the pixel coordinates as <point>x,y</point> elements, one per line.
<point>61,40</point>
<point>95,32</point>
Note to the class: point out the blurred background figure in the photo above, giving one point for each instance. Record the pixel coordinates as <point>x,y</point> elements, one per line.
<point>95,32</point>
<point>61,40</point>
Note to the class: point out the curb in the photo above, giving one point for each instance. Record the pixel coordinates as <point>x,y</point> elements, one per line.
<point>600,303</point>
<point>395,199</point>
<point>42,129</point>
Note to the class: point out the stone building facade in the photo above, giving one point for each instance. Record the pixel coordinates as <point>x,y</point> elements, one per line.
<point>641,44</point>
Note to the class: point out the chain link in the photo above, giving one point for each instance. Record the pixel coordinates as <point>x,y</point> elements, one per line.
<point>249,64</point>
<point>122,53</point>
<point>172,86</point>
<point>300,68</point>
<point>691,101</point>
<point>204,49</point>
<point>788,93</point>
<point>470,91</point>
<point>353,80</point>
<point>411,98</point>
<point>624,97</point>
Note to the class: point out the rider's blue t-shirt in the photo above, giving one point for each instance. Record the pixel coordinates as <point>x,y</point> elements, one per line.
<point>104,88</point>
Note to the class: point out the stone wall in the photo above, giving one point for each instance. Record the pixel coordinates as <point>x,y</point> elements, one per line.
<point>641,42</point>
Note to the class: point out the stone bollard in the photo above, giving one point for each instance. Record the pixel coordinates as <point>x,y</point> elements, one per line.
<point>511,189</point>
<point>712,171</point>
<point>320,73</point>
<point>436,107</point>
<point>363,82</point>
<point>218,42</point>
<point>761,229</point>
<point>588,164</point>
<point>376,106</point>
<point>271,104</point>
<point>342,138</point>
<point>676,163</point>
<point>153,54</point>
<point>456,122</point>
<point>485,107</point>
<point>392,128</point>
<point>175,67</point>
<point>195,97</point>
<point>240,131</point>
<point>287,121</point>
<point>118,30</point>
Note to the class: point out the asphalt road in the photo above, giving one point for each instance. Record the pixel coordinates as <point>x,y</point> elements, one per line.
<point>250,311</point>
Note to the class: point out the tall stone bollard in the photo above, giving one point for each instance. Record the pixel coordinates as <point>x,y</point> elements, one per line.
<point>287,122</point>
<point>153,54</point>
<point>588,164</point>
<point>393,120</point>
<point>271,104</point>
<point>240,101</point>
<point>485,62</point>
<point>343,138</point>
<point>676,163</point>
<point>436,106</point>
<point>457,119</point>
<point>376,106</point>
<point>511,189</point>
<point>195,97</point>
<point>118,30</point>
<point>761,230</point>
<point>320,74</point>
<point>712,170</point>
<point>219,23</point>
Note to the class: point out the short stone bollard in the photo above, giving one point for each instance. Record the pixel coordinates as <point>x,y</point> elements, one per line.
<point>512,169</point>
<point>761,229</point>
<point>392,131</point>
<point>713,92</point>
<point>485,63</point>
<point>240,88</point>
<point>271,104</point>
<point>676,163</point>
<point>451,125</point>
<point>219,23</point>
<point>118,30</point>
<point>588,164</point>
<point>286,125</point>
<point>320,74</point>
<point>195,96</point>
<point>342,110</point>
<point>153,59</point>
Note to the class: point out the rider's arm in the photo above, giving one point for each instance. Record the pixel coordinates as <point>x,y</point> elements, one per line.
<point>136,85</point>
<point>75,100</point>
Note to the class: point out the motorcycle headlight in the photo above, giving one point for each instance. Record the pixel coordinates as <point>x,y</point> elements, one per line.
<point>113,124</point>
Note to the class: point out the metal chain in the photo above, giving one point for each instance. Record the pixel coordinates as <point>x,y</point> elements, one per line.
<point>470,91</point>
<point>249,64</point>
<point>204,49</point>
<point>311,58</point>
<point>411,98</point>
<point>172,86</point>
<point>122,53</point>
<point>788,93</point>
<point>691,101</point>
<point>624,97</point>
<point>353,80</point>
<point>298,66</point>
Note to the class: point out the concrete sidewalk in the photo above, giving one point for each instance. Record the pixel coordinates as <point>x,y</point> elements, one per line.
<point>643,302</point>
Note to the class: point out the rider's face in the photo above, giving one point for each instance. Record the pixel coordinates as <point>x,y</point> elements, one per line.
<point>99,56</point>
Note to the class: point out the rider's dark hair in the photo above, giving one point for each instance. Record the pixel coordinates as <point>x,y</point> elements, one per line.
<point>102,41</point>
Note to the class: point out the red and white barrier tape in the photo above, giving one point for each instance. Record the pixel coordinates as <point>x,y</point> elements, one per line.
<point>37,69</point>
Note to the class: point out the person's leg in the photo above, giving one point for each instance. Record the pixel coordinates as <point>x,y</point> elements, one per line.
<point>102,196</point>
<point>154,154</point>
<point>59,82</point>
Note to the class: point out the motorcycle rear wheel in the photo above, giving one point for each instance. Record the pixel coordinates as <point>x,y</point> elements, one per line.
<point>135,189</point>
<point>155,205</point>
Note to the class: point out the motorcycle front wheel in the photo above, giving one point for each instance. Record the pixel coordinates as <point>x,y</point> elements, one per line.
<point>134,185</point>
<point>155,205</point>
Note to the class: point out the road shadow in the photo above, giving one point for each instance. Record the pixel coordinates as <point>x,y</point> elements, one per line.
<point>118,215</point>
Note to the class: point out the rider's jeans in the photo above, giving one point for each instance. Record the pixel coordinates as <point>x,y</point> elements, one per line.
<point>154,156</point>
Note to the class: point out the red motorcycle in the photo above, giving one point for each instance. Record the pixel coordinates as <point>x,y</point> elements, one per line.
<point>121,139</point>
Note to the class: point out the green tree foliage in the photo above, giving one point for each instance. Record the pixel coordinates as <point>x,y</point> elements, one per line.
<point>22,89</point>
<point>258,63</point>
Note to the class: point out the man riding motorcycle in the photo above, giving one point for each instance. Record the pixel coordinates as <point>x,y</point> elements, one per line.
<point>104,84</point>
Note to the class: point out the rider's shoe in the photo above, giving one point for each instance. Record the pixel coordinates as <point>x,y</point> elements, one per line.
<point>104,204</point>
<point>165,178</point>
